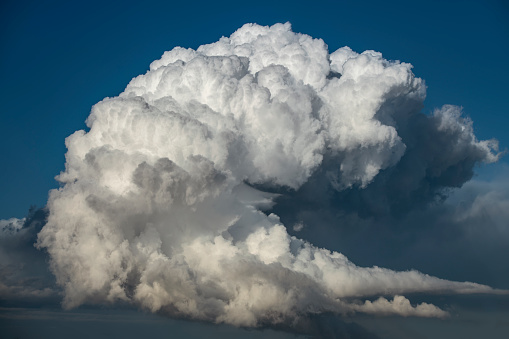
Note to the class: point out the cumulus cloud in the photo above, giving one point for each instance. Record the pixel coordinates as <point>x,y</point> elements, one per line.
<point>166,200</point>
<point>400,306</point>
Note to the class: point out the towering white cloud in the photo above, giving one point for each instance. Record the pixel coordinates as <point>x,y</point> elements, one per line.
<point>158,207</point>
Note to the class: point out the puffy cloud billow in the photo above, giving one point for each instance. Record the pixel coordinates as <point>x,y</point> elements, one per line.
<point>167,201</point>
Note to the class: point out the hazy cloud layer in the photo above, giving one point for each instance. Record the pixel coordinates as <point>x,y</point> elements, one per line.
<point>461,237</point>
<point>159,206</point>
<point>24,275</point>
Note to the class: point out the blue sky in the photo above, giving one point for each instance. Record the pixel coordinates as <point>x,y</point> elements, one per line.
<point>60,58</point>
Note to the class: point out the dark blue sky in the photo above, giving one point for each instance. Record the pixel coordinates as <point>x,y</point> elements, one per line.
<point>59,58</point>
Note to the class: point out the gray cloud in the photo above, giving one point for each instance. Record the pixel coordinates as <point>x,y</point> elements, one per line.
<point>24,275</point>
<point>460,236</point>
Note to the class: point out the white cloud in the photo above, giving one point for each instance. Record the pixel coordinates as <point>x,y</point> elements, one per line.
<point>156,207</point>
<point>400,306</point>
